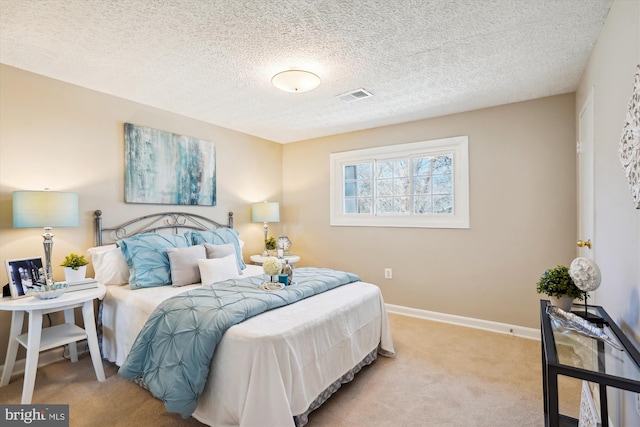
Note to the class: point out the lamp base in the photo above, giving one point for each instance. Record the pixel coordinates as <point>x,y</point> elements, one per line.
<point>266,231</point>
<point>48,248</point>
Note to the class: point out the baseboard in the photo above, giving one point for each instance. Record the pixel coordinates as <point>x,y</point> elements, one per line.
<point>48,357</point>
<point>486,325</point>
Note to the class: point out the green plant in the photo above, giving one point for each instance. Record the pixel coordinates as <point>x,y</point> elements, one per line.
<point>74,261</point>
<point>557,282</point>
<point>270,243</point>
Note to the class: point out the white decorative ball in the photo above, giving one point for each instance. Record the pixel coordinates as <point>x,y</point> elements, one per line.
<point>585,274</point>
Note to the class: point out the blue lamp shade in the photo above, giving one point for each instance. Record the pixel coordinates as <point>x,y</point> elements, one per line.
<point>33,209</point>
<point>265,212</point>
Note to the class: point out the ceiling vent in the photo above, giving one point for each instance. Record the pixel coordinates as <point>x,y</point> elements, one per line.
<point>355,95</point>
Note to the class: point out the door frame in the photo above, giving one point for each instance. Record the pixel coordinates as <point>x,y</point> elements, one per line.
<point>585,175</point>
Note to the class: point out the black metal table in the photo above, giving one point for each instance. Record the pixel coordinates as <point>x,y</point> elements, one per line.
<point>585,358</point>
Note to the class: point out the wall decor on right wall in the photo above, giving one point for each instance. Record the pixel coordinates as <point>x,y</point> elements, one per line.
<point>629,148</point>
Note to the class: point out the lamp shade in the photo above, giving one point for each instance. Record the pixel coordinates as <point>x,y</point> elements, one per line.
<point>33,209</point>
<point>265,212</point>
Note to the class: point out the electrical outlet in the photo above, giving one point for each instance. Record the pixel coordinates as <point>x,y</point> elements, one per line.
<point>388,273</point>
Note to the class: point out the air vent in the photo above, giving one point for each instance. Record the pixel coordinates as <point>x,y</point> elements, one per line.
<point>355,95</point>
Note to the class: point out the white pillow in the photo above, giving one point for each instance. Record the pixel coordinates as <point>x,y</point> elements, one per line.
<point>218,269</point>
<point>184,264</point>
<point>109,265</point>
<point>220,251</point>
<point>241,243</point>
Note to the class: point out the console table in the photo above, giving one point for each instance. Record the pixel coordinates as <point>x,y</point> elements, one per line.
<point>584,358</point>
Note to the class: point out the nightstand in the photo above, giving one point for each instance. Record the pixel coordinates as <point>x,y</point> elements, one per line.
<point>259,259</point>
<point>38,339</point>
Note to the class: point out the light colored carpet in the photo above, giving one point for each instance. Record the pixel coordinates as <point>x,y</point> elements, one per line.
<point>443,375</point>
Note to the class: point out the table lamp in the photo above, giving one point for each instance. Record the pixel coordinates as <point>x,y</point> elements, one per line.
<point>265,212</point>
<point>48,209</point>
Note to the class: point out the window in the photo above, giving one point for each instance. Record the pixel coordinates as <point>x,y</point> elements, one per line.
<point>420,184</point>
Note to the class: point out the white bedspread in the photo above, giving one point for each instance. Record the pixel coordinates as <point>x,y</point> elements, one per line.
<point>271,367</point>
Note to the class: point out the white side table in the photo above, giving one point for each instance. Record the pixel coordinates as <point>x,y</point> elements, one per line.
<point>38,339</point>
<point>259,259</point>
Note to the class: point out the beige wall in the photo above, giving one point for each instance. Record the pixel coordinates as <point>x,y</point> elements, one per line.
<point>67,138</point>
<point>616,241</point>
<point>522,213</point>
<point>610,73</point>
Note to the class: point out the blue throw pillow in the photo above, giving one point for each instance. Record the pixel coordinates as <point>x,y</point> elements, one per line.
<point>147,258</point>
<point>219,236</point>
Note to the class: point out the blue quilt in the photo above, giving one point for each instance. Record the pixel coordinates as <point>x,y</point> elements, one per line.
<point>172,353</point>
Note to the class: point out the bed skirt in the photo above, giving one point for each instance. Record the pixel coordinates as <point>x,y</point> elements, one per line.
<point>303,419</point>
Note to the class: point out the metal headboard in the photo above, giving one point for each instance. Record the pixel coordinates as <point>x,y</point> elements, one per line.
<point>173,221</point>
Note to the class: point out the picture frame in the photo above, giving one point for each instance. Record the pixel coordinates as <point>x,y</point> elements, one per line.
<point>169,169</point>
<point>24,274</point>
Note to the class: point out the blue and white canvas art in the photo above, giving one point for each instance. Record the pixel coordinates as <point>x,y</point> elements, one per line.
<point>169,169</point>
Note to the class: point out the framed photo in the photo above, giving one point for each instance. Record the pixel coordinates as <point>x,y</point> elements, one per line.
<point>24,274</point>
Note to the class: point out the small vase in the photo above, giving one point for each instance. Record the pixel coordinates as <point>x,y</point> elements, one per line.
<point>71,275</point>
<point>564,302</point>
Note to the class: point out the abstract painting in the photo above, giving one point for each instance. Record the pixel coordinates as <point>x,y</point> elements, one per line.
<point>169,169</point>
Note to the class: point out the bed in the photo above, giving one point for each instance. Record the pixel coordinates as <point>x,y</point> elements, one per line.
<point>272,369</point>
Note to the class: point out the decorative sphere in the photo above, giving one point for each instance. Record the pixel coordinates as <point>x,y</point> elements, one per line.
<point>585,274</point>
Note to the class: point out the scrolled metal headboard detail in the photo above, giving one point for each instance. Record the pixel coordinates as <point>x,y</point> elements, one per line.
<point>173,221</point>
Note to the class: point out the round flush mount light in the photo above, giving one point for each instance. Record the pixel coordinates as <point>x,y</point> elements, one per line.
<point>296,81</point>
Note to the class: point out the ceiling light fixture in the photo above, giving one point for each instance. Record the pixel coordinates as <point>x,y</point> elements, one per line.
<point>296,81</point>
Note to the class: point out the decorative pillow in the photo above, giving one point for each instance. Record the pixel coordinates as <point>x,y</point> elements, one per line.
<point>219,251</point>
<point>218,269</point>
<point>109,265</point>
<point>241,242</point>
<point>218,236</point>
<point>184,264</point>
<point>147,258</point>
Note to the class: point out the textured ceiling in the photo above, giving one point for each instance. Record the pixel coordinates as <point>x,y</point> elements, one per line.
<point>213,60</point>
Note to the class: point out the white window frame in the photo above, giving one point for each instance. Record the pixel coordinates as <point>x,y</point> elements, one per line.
<point>457,146</point>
